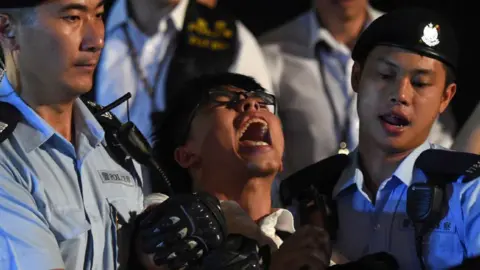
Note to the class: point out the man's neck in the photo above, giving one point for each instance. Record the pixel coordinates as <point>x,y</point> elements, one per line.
<point>57,115</point>
<point>253,197</point>
<point>378,165</point>
<point>345,31</point>
<point>147,16</point>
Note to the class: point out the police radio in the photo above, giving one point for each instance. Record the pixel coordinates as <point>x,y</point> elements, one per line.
<point>132,141</point>
<point>424,208</point>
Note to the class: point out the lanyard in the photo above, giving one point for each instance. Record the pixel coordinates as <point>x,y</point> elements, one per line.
<point>136,65</point>
<point>345,131</point>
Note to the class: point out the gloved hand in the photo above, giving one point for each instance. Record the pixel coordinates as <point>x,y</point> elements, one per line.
<point>181,230</point>
<point>237,253</point>
<point>376,261</point>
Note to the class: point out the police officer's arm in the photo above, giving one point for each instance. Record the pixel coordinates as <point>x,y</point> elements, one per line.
<point>25,239</point>
<point>471,214</point>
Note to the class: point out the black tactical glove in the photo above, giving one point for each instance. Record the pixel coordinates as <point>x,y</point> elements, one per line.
<point>183,229</point>
<point>237,253</point>
<point>376,261</point>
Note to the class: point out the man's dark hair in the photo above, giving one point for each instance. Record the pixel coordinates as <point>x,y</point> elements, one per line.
<point>449,75</point>
<point>169,126</point>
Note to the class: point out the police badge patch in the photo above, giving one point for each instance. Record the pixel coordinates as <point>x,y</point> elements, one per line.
<point>116,177</point>
<point>430,35</point>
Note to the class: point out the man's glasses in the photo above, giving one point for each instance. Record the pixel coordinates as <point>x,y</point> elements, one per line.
<point>231,99</point>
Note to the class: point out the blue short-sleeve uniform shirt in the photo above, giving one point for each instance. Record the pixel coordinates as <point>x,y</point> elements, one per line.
<point>60,202</point>
<point>366,227</point>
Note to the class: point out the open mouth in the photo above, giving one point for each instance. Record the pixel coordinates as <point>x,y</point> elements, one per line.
<point>394,119</point>
<point>255,133</point>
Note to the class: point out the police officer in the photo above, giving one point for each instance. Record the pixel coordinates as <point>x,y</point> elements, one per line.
<point>62,196</point>
<point>395,193</point>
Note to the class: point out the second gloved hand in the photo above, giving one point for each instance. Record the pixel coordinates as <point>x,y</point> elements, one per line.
<point>237,253</point>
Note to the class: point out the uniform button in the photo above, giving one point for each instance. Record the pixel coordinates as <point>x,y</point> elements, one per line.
<point>376,227</point>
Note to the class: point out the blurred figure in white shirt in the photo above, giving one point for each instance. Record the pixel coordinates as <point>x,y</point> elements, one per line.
<point>468,140</point>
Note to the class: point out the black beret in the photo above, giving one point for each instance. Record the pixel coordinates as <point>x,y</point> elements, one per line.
<point>19,3</point>
<point>418,30</point>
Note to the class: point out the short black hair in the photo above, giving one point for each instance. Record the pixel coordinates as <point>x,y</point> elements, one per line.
<point>169,125</point>
<point>449,75</point>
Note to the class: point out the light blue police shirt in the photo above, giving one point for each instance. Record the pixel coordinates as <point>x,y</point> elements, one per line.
<point>366,228</point>
<point>59,204</point>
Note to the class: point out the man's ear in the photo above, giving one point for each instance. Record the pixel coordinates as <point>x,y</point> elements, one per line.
<point>7,32</point>
<point>448,95</point>
<point>185,158</point>
<point>356,76</point>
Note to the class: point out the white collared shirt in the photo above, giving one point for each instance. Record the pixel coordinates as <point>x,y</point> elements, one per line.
<point>265,231</point>
<point>116,72</point>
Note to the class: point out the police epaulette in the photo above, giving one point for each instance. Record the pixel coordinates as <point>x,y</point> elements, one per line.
<point>9,118</point>
<point>107,120</point>
<point>451,163</point>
